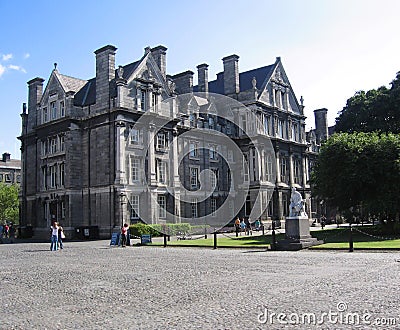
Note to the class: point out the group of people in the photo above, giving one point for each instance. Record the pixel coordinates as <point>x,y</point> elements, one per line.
<point>246,226</point>
<point>7,231</point>
<point>57,236</point>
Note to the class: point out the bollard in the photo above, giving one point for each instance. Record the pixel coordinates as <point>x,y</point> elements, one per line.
<point>165,240</point>
<point>215,240</point>
<point>351,248</point>
<point>273,245</point>
<point>263,230</point>
<point>205,233</point>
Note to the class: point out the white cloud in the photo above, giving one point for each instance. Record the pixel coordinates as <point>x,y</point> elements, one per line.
<point>7,57</point>
<point>2,70</point>
<point>27,55</point>
<point>17,68</point>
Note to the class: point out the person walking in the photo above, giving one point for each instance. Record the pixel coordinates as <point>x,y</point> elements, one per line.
<point>54,237</point>
<point>61,236</point>
<point>242,225</point>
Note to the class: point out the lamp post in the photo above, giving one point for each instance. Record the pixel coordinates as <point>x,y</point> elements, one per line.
<point>121,196</point>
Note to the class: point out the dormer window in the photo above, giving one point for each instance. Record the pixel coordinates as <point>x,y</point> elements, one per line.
<point>62,109</point>
<point>53,109</point>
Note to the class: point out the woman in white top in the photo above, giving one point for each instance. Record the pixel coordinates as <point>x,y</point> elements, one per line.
<point>54,237</point>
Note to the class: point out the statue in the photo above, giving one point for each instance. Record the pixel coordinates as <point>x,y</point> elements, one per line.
<point>296,207</point>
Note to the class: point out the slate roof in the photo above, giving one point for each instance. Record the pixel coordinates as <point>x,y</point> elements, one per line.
<point>87,94</point>
<point>70,83</point>
<point>10,164</point>
<point>245,78</point>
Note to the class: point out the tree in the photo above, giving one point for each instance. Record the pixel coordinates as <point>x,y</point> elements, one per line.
<point>9,204</point>
<point>360,169</point>
<point>373,111</point>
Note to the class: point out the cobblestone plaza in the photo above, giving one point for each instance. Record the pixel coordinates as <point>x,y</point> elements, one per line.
<point>89,285</point>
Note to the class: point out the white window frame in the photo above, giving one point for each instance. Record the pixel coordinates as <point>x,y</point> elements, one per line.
<point>45,115</point>
<point>62,109</point>
<point>194,177</point>
<point>194,208</point>
<point>134,203</point>
<point>161,141</point>
<point>193,149</point>
<point>213,207</point>
<point>53,110</point>
<point>162,171</point>
<point>135,171</point>
<point>162,206</point>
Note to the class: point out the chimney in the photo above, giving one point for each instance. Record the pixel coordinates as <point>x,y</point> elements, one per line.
<point>160,56</point>
<point>6,157</point>
<point>183,82</point>
<point>105,72</point>
<point>35,91</point>
<point>321,124</point>
<point>231,74</point>
<point>202,75</point>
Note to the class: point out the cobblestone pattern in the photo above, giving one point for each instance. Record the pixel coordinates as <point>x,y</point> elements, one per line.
<point>89,285</point>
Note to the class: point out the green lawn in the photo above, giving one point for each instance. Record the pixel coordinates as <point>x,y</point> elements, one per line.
<point>337,238</point>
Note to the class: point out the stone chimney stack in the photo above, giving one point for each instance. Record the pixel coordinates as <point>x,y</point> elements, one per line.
<point>35,91</point>
<point>183,82</point>
<point>202,75</point>
<point>160,56</point>
<point>6,157</point>
<point>231,74</point>
<point>321,124</point>
<point>105,72</point>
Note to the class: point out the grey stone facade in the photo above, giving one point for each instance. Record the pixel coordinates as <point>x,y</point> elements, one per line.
<point>84,159</point>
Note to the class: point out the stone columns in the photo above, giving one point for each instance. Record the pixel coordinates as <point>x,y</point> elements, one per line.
<point>120,177</point>
<point>151,156</point>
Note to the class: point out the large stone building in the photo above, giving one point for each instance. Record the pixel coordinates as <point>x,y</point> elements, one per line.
<point>88,160</point>
<point>10,170</point>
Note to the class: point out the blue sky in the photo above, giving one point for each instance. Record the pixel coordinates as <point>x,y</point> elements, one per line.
<point>330,49</point>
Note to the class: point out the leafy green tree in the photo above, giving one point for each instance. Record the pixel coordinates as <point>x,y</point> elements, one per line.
<point>9,203</point>
<point>360,169</point>
<point>373,111</point>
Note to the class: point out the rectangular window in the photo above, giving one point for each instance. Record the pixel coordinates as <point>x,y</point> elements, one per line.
<point>134,206</point>
<point>213,152</point>
<point>161,171</point>
<point>284,168</point>
<point>62,109</point>
<point>135,136</point>
<point>297,171</point>
<point>210,122</point>
<point>18,178</point>
<point>143,96</point>
<point>62,174</point>
<point>281,128</point>
<point>192,120</point>
<point>267,125</point>
<point>244,123</point>
<point>8,177</point>
<point>268,168</point>
<point>135,169</point>
<point>162,211</point>
<point>53,109</point>
<point>161,141</point>
<point>194,177</point>
<point>193,149</point>
<point>45,115</point>
<point>53,145</point>
<point>53,176</point>
<point>245,168</point>
<point>194,208</point>
<point>213,207</point>
<point>214,178</point>
<point>228,128</point>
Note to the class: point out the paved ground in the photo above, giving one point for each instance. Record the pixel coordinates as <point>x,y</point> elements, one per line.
<point>89,285</point>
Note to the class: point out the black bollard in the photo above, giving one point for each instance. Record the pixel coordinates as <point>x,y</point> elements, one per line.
<point>215,240</point>
<point>263,231</point>
<point>165,240</point>
<point>205,233</point>
<point>351,248</point>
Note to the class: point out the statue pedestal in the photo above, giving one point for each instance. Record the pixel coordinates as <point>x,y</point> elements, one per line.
<point>297,235</point>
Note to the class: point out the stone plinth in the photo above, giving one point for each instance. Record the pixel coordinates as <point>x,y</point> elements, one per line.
<point>298,236</point>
